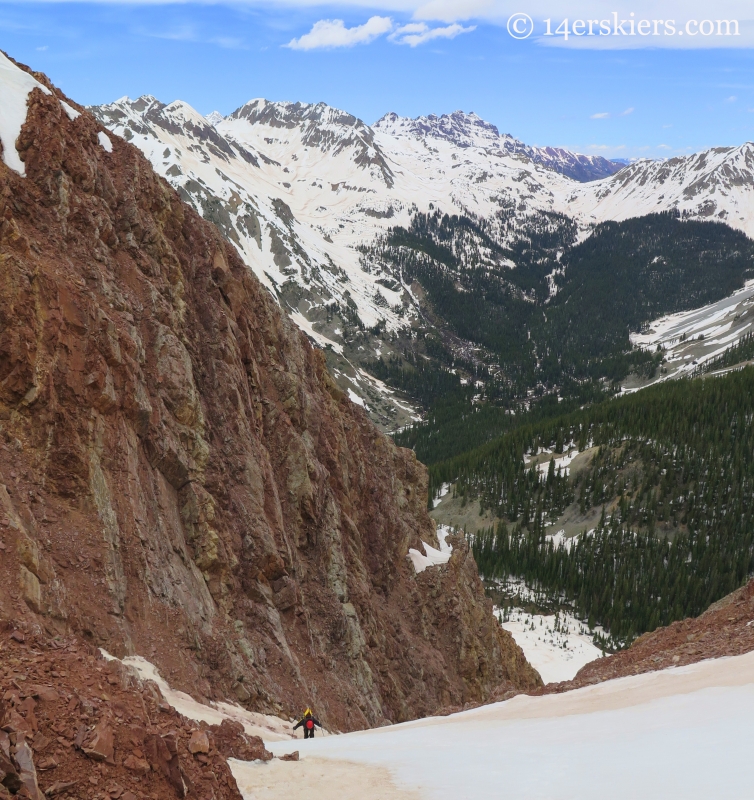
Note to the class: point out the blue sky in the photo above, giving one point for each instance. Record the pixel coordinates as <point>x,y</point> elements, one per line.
<point>619,96</point>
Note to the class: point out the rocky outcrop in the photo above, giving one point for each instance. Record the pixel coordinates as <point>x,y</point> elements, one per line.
<point>74,725</point>
<point>181,479</point>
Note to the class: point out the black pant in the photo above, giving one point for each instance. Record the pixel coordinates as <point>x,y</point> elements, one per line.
<point>308,734</point>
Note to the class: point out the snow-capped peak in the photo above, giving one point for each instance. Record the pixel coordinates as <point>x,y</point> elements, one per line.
<point>469,130</point>
<point>301,189</point>
<point>460,128</point>
<point>214,118</point>
<point>716,184</point>
<point>317,125</point>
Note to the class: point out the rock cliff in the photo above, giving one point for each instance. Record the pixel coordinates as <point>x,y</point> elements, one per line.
<point>180,478</point>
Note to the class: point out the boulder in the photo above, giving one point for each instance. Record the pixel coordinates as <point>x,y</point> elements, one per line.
<point>199,743</point>
<point>101,745</point>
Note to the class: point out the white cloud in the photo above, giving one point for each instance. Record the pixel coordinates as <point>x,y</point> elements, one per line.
<point>416,33</point>
<point>731,99</point>
<point>627,112</point>
<point>189,33</point>
<point>604,150</point>
<point>330,33</point>
<point>185,33</point>
<point>601,115</point>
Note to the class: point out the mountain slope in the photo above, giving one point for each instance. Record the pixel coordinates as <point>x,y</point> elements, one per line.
<point>636,510</point>
<point>715,184</point>
<point>180,477</point>
<point>314,200</point>
<point>301,189</point>
<point>470,130</point>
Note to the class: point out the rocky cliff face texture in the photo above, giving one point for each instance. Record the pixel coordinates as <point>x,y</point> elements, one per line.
<point>179,476</point>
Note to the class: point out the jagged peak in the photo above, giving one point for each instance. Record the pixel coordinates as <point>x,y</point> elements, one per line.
<point>287,114</point>
<point>465,129</point>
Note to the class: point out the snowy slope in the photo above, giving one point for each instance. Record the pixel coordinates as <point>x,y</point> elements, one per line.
<point>299,188</point>
<point>557,646</point>
<point>679,733</point>
<point>715,184</point>
<point>690,339</point>
<point>470,130</point>
<point>351,182</point>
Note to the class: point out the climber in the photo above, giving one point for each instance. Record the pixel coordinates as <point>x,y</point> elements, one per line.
<point>309,722</point>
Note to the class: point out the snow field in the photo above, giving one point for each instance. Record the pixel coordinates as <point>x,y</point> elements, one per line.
<point>720,324</point>
<point>679,733</point>
<point>556,645</point>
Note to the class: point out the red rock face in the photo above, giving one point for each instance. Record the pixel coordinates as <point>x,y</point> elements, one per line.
<point>100,732</point>
<point>181,479</point>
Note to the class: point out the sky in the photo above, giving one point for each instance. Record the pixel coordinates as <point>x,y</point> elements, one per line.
<point>643,79</point>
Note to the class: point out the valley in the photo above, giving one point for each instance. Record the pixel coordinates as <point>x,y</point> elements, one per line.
<point>441,434</point>
<point>486,300</point>
<point>424,255</point>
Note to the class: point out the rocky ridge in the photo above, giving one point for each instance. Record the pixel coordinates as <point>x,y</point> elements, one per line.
<point>470,130</point>
<point>180,477</point>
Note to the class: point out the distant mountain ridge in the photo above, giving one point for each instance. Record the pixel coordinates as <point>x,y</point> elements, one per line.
<point>305,191</point>
<point>470,130</point>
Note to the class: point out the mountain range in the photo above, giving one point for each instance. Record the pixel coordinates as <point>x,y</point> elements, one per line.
<point>304,191</point>
<point>202,532</point>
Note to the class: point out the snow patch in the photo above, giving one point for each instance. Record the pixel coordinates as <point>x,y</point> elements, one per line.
<point>355,398</point>
<point>269,728</point>
<point>556,645</point>
<point>562,464</point>
<point>444,489</point>
<point>433,557</point>
<point>308,329</point>
<point>104,140</point>
<point>70,110</point>
<point>443,531</point>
